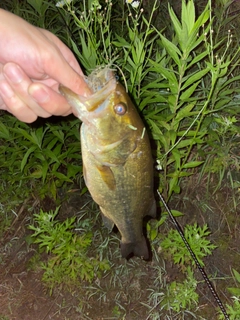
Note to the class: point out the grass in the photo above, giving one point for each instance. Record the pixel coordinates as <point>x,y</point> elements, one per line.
<point>184,81</point>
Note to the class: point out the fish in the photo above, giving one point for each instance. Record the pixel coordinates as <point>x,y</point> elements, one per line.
<point>117,158</point>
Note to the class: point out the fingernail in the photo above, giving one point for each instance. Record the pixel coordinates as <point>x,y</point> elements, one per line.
<point>13,73</point>
<point>38,93</point>
<point>6,90</point>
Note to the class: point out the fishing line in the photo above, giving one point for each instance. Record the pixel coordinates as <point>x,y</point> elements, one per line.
<point>204,275</point>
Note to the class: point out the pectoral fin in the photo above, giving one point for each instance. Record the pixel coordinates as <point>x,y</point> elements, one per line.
<point>107,176</point>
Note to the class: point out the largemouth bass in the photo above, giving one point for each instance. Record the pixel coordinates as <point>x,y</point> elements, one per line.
<point>117,160</point>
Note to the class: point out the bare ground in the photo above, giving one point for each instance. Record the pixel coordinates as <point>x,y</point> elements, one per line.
<point>23,296</point>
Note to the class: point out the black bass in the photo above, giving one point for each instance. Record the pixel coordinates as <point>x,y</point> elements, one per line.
<point>117,160</point>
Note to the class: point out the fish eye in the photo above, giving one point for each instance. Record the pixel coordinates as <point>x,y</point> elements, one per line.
<point>120,109</point>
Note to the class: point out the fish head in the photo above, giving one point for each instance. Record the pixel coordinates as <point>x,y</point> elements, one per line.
<point>108,113</point>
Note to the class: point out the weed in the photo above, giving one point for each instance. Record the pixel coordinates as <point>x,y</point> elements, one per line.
<point>68,260</point>
<point>2,317</point>
<point>183,86</point>
<point>42,159</point>
<point>181,295</point>
<point>234,309</point>
<point>196,237</point>
<point>184,81</point>
<point>175,299</point>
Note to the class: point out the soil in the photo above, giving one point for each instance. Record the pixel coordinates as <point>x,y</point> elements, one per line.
<point>23,295</point>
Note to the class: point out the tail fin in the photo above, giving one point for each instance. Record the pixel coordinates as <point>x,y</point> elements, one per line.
<point>138,249</point>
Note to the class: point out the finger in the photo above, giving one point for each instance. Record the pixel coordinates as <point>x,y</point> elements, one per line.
<point>55,65</point>
<point>64,68</point>
<point>15,105</point>
<point>65,51</point>
<point>69,78</point>
<point>19,83</point>
<point>49,99</point>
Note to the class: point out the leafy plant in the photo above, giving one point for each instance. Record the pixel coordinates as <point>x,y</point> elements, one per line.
<point>234,309</point>
<point>196,237</point>
<point>189,76</point>
<point>49,153</point>
<point>181,295</point>
<point>68,261</point>
<point>177,298</point>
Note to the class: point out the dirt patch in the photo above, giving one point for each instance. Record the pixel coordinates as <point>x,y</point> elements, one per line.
<point>128,290</point>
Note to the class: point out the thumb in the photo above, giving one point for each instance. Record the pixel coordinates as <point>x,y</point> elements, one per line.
<point>69,76</point>
<point>61,64</point>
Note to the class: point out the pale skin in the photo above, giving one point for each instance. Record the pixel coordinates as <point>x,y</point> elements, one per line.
<point>33,62</point>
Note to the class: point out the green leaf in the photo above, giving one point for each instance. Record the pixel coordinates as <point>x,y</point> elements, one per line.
<point>192,164</point>
<point>26,156</point>
<point>194,77</point>
<point>59,134</point>
<point>188,14</point>
<point>173,185</point>
<point>198,58</point>
<point>202,19</point>
<point>236,275</point>
<point>235,292</point>
<point>172,50</point>
<point>50,154</point>
<point>187,93</point>
<point>73,170</point>
<point>62,176</point>
<point>176,213</point>
<point>176,23</point>
<point>168,74</point>
<point>37,5</point>
<point>185,112</point>
<point>4,132</point>
<point>25,134</point>
<point>121,42</point>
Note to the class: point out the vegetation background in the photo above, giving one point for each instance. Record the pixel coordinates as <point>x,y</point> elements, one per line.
<point>180,62</point>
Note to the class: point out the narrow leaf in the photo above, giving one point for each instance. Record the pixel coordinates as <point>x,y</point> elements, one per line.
<point>192,164</point>
<point>172,50</point>
<point>194,77</point>
<point>26,156</point>
<point>187,94</point>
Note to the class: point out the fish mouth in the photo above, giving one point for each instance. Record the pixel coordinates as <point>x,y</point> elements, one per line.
<point>102,82</point>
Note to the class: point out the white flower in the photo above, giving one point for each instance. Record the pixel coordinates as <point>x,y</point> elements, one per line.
<point>61,3</point>
<point>133,3</point>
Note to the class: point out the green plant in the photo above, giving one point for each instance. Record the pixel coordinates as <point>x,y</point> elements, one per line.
<point>234,309</point>
<point>89,28</point>
<point>188,64</point>
<point>181,295</point>
<point>196,237</point>
<point>2,317</point>
<point>68,260</point>
<point>173,300</point>
<point>49,153</point>
<point>184,79</point>
<point>227,163</point>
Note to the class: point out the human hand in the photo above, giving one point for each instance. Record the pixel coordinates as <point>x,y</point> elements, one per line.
<point>33,62</point>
